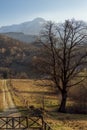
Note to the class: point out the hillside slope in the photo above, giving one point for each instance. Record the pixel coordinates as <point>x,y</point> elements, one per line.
<point>21,36</point>
<point>16,58</point>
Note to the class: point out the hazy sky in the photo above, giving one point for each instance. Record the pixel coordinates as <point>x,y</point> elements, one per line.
<point>17,11</point>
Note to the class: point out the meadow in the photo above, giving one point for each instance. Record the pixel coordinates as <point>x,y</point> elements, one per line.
<point>39,94</point>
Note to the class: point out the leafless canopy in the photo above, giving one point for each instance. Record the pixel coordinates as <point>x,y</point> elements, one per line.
<point>66,47</point>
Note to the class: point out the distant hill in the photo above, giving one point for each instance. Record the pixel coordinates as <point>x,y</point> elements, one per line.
<point>16,58</point>
<point>30,28</point>
<point>21,36</point>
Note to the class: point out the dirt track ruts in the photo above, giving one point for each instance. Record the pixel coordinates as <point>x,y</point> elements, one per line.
<point>8,104</point>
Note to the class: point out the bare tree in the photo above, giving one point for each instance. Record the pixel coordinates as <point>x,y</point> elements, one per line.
<point>65,55</point>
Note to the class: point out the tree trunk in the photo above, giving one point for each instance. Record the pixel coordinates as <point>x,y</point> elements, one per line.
<point>62,107</point>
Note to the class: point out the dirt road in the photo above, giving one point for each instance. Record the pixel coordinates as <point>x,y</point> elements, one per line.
<point>10,110</point>
<point>8,104</point>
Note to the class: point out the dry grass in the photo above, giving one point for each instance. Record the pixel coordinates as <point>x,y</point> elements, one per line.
<point>1,96</point>
<point>32,92</point>
<point>60,121</point>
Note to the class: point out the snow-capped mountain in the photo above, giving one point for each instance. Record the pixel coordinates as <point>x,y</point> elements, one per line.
<point>31,28</point>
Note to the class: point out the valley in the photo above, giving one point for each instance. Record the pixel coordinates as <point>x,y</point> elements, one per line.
<point>43,65</point>
<point>35,75</point>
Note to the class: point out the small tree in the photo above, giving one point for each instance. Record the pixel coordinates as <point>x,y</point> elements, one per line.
<point>64,55</point>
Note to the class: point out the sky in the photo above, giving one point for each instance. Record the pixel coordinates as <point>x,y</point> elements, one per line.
<point>18,11</point>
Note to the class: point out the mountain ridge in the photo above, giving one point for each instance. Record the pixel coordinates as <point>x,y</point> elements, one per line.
<point>30,28</point>
<point>21,36</point>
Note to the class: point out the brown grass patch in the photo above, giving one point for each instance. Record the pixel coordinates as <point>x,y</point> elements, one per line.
<point>31,92</point>
<point>1,96</point>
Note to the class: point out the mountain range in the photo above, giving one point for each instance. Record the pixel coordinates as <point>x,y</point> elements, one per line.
<point>26,32</point>
<point>30,28</point>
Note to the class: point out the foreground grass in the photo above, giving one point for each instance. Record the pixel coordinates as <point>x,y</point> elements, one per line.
<point>33,93</point>
<point>60,121</point>
<point>26,93</point>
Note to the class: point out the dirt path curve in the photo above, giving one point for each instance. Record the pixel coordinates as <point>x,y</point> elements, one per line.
<point>8,104</point>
